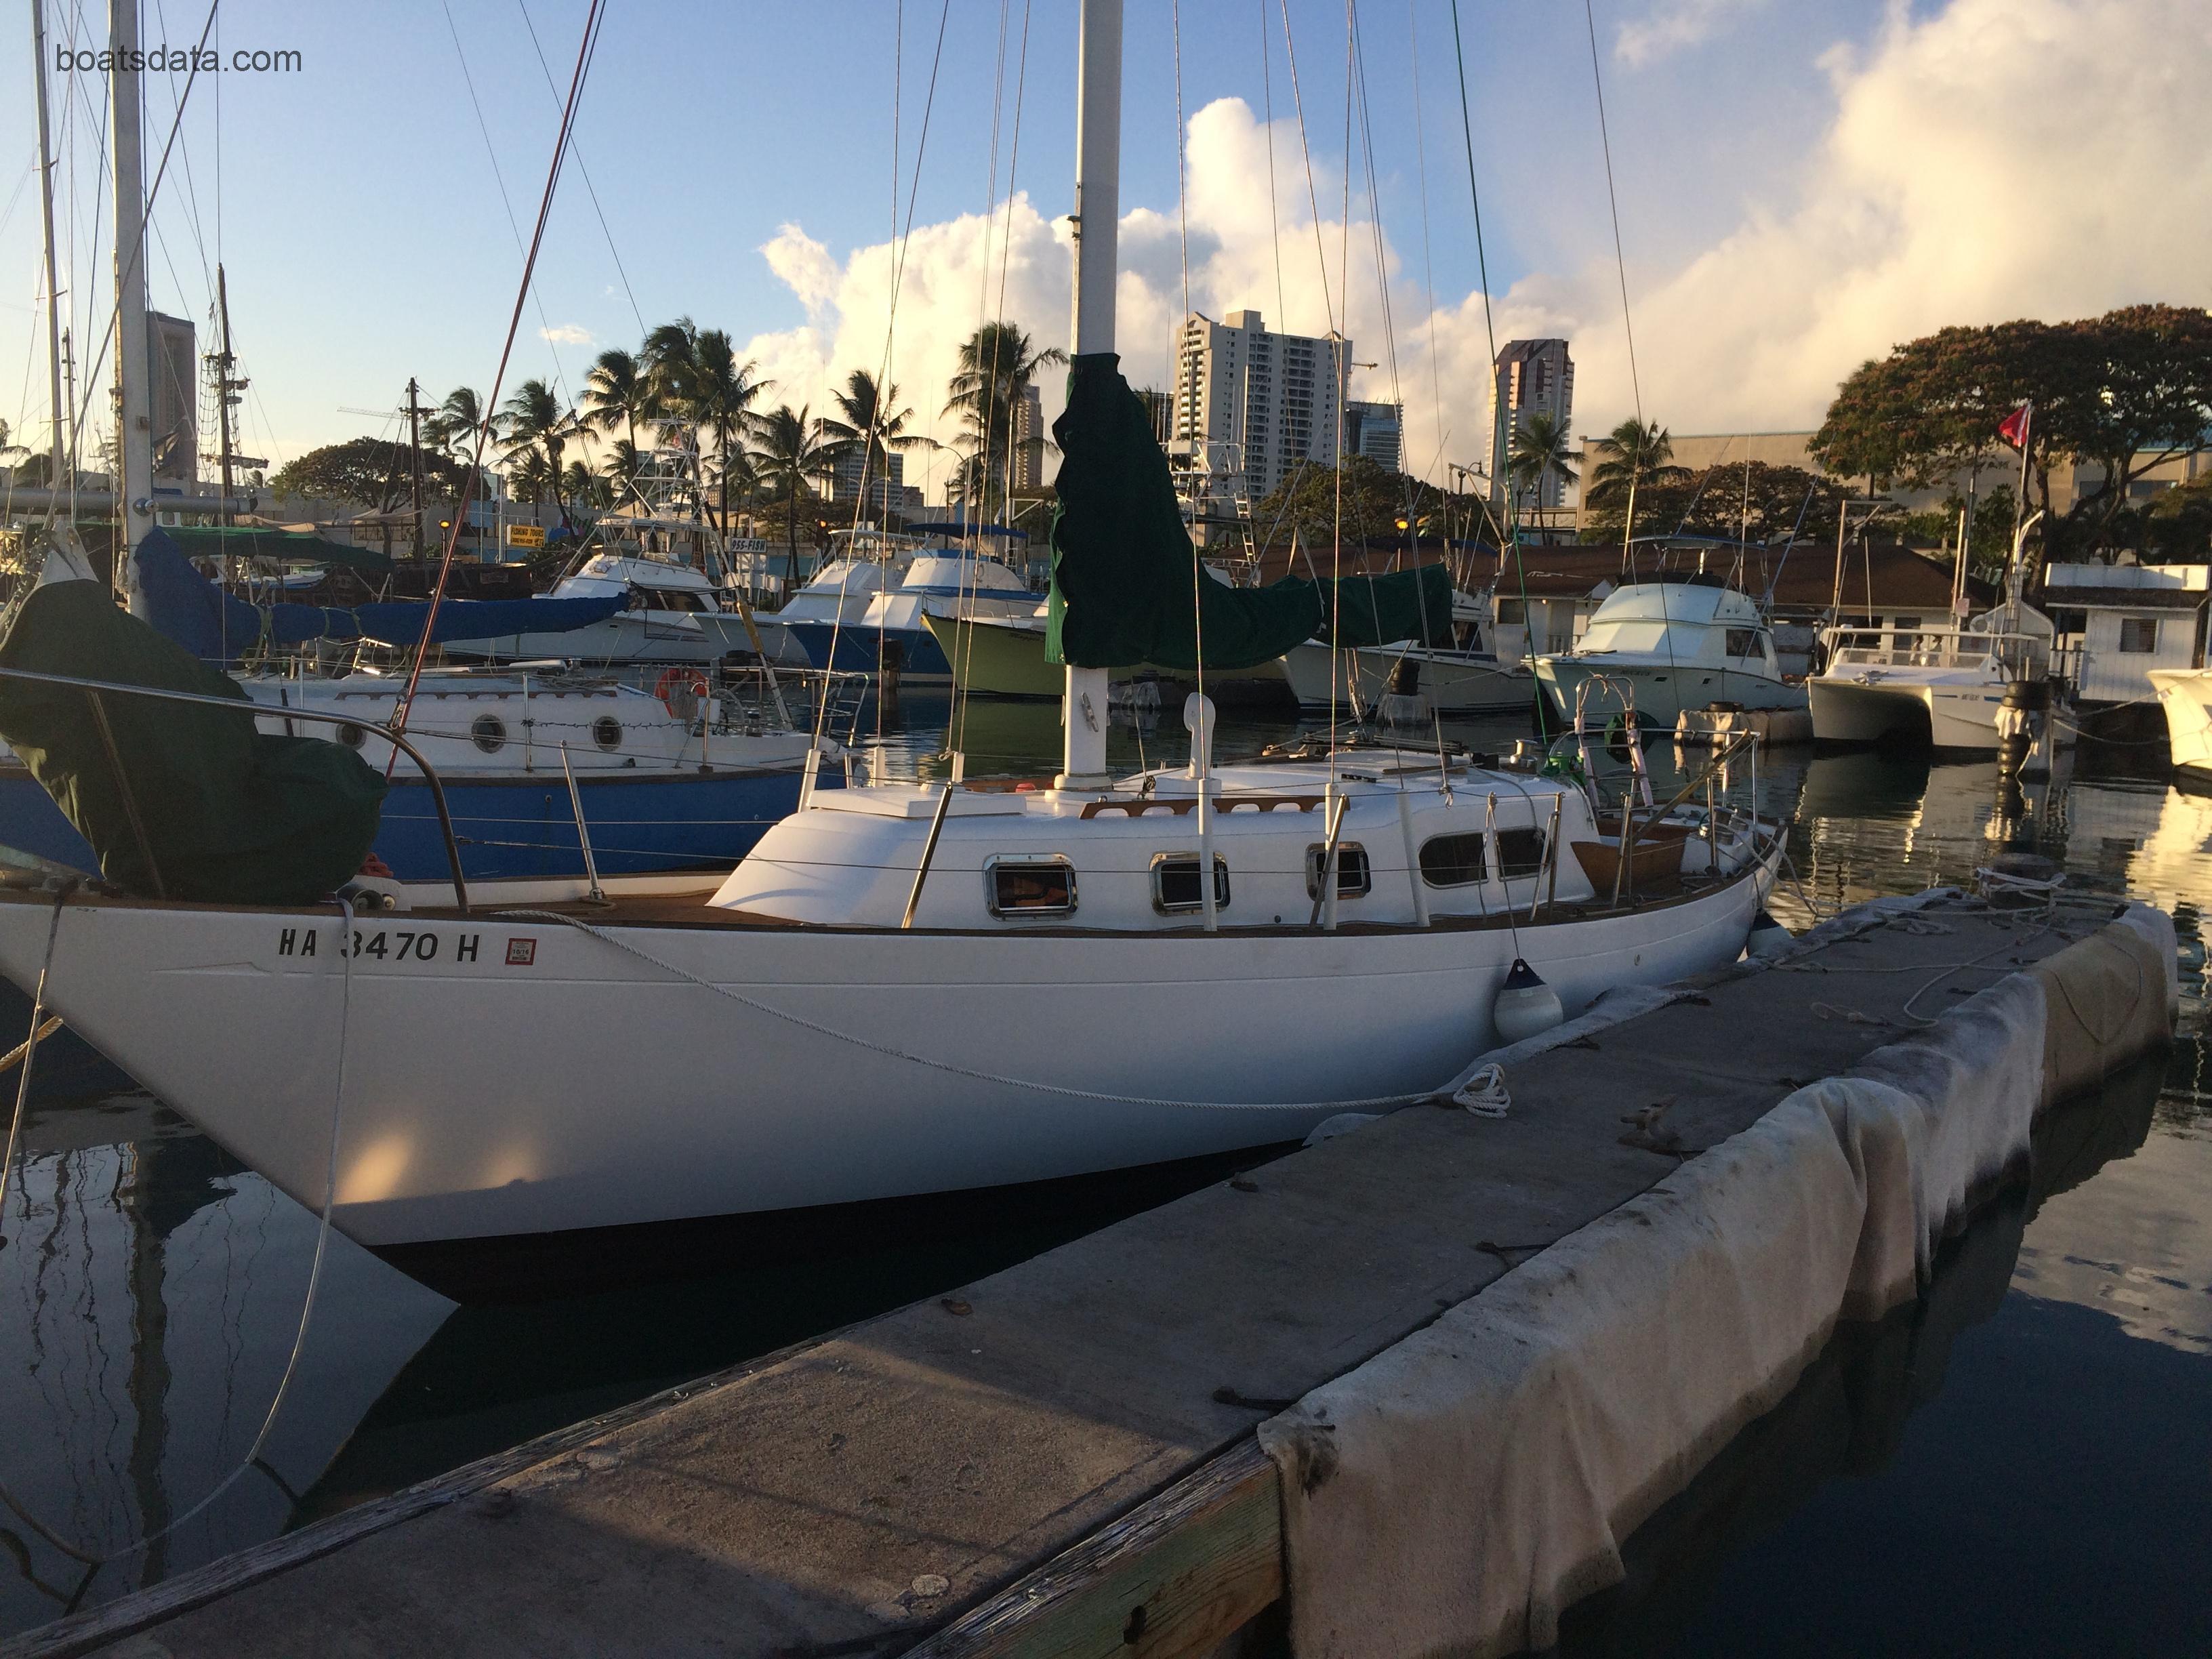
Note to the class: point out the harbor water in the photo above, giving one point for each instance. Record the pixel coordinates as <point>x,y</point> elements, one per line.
<point>2022,1460</point>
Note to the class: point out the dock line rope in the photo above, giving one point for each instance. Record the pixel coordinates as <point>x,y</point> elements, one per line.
<point>95,1560</point>
<point>975,1073</point>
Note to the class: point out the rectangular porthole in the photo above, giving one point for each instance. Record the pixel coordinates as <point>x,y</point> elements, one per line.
<point>1352,877</point>
<point>1452,860</point>
<point>1520,852</point>
<point>1030,887</point>
<point>1175,883</point>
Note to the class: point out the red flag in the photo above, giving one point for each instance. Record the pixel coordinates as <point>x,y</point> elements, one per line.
<point>2015,430</point>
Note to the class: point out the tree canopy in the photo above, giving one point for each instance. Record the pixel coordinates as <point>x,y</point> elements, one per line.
<point>374,472</point>
<point>1712,503</point>
<point>1375,501</point>
<point>2121,393</point>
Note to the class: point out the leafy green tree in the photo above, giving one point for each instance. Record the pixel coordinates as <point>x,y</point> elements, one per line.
<point>1379,508</point>
<point>1712,502</point>
<point>373,471</point>
<point>2122,393</point>
<point>790,454</point>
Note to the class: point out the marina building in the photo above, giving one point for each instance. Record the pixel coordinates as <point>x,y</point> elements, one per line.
<point>1530,378</point>
<point>1250,405</point>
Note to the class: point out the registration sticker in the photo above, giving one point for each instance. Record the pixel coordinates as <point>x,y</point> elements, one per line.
<point>521,952</point>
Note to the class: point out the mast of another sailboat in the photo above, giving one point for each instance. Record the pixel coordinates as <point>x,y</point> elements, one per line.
<point>53,270</point>
<point>134,426</point>
<point>1097,213</point>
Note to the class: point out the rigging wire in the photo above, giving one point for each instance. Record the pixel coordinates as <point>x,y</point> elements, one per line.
<point>584,51</point>
<point>590,190</point>
<point>1274,217</point>
<point>1198,577</point>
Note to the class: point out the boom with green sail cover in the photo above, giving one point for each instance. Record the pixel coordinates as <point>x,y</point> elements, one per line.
<point>1124,571</point>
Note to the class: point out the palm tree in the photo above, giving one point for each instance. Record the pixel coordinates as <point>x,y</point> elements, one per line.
<point>1633,454</point>
<point>620,467</point>
<point>535,419</point>
<point>582,485</point>
<point>618,393</point>
<point>997,364</point>
<point>791,453</point>
<point>454,426</point>
<point>528,477</point>
<point>721,392</point>
<point>1541,449</point>
<point>874,423</point>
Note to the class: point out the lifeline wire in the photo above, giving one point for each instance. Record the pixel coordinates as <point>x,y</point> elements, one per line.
<point>93,1558</point>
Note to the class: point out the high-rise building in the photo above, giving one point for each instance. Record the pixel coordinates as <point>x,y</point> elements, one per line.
<point>1250,406</point>
<point>1530,378</point>
<point>886,480</point>
<point>1029,440</point>
<point>174,394</point>
<point>1376,431</point>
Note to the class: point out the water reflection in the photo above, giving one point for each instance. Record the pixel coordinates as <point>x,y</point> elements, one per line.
<point>152,1288</point>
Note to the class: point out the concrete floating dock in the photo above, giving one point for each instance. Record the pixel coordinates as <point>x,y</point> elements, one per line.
<point>1405,1388</point>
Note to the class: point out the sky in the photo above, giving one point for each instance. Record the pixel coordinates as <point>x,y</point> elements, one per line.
<point>1798,188</point>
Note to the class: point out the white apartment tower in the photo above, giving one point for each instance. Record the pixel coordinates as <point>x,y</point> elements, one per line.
<point>1250,406</point>
<point>1531,378</point>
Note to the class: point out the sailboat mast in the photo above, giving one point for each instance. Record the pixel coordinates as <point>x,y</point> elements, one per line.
<point>226,362</point>
<point>134,363</point>
<point>1097,214</point>
<point>53,272</point>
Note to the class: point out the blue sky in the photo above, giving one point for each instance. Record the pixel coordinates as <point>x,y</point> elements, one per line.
<point>355,208</point>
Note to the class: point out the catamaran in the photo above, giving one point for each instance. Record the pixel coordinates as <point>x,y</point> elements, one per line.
<point>904,990</point>
<point>1463,677</point>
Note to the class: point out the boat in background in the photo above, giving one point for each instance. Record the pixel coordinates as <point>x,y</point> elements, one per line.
<point>859,565</point>
<point>1946,688</point>
<point>891,633</point>
<point>2186,694</point>
<point>1006,657</point>
<point>1683,643</point>
<point>1465,677</point>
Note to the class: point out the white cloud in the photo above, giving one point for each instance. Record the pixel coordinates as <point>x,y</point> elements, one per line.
<point>1995,158</point>
<point>1671,26</point>
<point>566,334</point>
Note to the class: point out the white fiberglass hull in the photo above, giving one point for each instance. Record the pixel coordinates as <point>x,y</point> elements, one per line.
<point>1448,682</point>
<point>2186,697</point>
<point>516,1076</point>
<point>1961,716</point>
<point>1662,690</point>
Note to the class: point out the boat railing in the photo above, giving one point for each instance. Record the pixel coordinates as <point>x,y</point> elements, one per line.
<point>2015,656</point>
<point>97,690</point>
<point>756,695</point>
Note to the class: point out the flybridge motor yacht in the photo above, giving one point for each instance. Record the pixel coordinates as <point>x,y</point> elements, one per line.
<point>906,991</point>
<point>860,564</point>
<point>670,613</point>
<point>1683,644</point>
<point>1462,677</point>
<point>945,579</point>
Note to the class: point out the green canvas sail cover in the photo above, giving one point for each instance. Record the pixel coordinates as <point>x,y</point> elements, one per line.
<point>1123,570</point>
<point>230,814</point>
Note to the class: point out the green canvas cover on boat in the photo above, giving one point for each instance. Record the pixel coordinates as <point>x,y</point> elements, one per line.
<point>231,815</point>
<point>1124,570</point>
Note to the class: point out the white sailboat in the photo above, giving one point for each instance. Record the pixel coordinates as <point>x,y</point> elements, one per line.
<point>910,991</point>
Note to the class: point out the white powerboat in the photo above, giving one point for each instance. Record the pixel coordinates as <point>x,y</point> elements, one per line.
<point>860,564</point>
<point>1942,687</point>
<point>1465,677</point>
<point>2186,694</point>
<point>1682,644</point>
